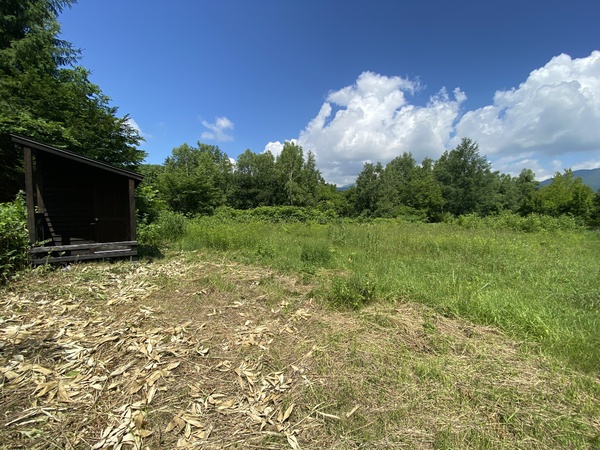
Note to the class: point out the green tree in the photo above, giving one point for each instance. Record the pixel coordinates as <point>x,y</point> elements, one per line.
<point>526,188</point>
<point>565,195</point>
<point>45,96</point>
<point>196,180</point>
<point>255,182</point>
<point>466,179</point>
<point>368,189</point>
<point>297,179</point>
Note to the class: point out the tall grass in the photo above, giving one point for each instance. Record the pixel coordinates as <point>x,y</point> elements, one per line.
<point>541,286</point>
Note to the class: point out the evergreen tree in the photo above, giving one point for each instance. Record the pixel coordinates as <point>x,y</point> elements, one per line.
<point>466,179</point>
<point>45,96</point>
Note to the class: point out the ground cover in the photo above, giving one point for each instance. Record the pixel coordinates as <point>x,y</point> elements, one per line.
<point>197,350</point>
<point>539,287</point>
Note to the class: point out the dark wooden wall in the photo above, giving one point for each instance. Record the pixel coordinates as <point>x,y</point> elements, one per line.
<point>80,204</point>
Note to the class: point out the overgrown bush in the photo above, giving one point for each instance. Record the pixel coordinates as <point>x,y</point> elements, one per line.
<point>353,291</point>
<point>531,223</point>
<point>167,228</point>
<point>277,214</point>
<point>14,239</point>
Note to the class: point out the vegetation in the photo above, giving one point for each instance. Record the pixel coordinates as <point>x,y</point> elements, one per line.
<point>45,95</point>
<point>534,277</point>
<point>198,351</point>
<point>14,239</point>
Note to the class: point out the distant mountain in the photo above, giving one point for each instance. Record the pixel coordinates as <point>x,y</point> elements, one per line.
<point>591,177</point>
<point>344,188</point>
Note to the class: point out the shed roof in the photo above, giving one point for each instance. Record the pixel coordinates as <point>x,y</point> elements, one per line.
<point>27,142</point>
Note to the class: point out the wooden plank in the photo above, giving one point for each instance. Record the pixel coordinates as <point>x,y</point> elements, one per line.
<point>29,188</point>
<point>92,256</point>
<point>64,248</point>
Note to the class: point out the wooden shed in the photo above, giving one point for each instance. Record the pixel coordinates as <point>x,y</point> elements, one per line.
<point>77,208</point>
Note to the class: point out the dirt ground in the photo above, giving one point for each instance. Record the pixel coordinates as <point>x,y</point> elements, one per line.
<point>188,353</point>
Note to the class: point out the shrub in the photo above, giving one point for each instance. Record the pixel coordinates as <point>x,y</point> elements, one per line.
<point>353,291</point>
<point>531,223</point>
<point>14,239</point>
<point>167,228</point>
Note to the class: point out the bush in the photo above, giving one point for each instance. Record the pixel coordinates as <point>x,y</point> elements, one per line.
<point>353,291</point>
<point>14,238</point>
<point>167,228</point>
<point>531,223</point>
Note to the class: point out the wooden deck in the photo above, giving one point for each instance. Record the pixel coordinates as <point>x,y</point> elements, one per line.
<point>83,252</point>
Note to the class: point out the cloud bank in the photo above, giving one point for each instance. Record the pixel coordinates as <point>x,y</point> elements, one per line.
<point>374,121</point>
<point>553,114</point>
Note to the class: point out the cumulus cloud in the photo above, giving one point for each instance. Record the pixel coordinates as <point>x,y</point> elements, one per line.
<point>374,121</point>
<point>275,147</point>
<point>218,130</point>
<point>556,110</point>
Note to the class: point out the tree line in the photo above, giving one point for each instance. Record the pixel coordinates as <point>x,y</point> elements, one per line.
<point>198,180</point>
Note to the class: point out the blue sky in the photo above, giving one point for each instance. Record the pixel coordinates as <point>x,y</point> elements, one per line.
<point>353,81</point>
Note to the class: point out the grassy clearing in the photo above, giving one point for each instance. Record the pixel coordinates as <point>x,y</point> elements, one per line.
<point>540,287</point>
<point>198,351</point>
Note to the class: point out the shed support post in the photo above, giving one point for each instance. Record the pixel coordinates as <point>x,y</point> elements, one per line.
<point>29,189</point>
<point>132,230</point>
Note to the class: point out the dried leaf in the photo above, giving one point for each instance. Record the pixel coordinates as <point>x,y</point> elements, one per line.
<point>121,369</point>
<point>293,441</point>
<point>193,421</point>
<point>331,416</point>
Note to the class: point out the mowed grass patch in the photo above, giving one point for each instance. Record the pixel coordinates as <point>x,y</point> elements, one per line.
<point>200,351</point>
<point>540,287</point>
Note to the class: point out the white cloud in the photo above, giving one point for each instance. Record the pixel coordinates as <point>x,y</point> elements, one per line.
<point>133,124</point>
<point>218,130</point>
<point>275,147</point>
<point>375,122</point>
<point>588,164</point>
<point>556,110</point>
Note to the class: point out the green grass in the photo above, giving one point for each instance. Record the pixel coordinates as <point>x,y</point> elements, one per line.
<point>542,288</point>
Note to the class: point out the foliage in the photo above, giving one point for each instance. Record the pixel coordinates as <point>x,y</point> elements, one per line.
<point>565,195</point>
<point>297,178</point>
<point>353,291</point>
<point>538,286</point>
<point>196,180</point>
<point>466,179</point>
<point>14,239</point>
<point>255,183</point>
<point>531,223</point>
<point>45,96</point>
<point>148,199</point>
<point>368,189</point>
<point>166,228</point>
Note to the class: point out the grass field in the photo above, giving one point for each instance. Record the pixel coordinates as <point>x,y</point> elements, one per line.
<point>306,336</point>
<point>542,288</point>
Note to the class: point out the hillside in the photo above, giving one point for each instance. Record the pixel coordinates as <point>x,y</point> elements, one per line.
<point>591,177</point>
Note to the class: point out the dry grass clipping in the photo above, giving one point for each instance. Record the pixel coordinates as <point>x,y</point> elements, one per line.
<point>184,353</point>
